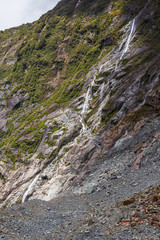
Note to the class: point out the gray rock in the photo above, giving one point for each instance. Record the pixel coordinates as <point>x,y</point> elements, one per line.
<point>1,94</point>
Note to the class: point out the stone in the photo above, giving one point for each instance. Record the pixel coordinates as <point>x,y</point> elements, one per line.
<point>129,201</point>
<point>14,102</point>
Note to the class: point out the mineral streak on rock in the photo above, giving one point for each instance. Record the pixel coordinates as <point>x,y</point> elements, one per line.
<point>80,123</point>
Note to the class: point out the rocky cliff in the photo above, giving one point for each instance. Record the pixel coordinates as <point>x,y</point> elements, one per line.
<point>80,104</point>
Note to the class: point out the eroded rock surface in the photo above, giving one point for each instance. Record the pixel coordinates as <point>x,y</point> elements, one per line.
<point>91,148</point>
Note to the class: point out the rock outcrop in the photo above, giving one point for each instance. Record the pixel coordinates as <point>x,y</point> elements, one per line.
<point>93,122</point>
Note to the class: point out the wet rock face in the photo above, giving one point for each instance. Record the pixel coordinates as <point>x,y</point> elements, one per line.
<point>88,168</point>
<point>119,93</point>
<point>153,99</point>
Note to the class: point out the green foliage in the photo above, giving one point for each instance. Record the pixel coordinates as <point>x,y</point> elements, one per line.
<point>9,155</point>
<point>65,7</point>
<point>55,129</point>
<point>55,53</point>
<point>30,145</point>
<point>129,7</point>
<point>68,164</point>
<point>15,145</point>
<point>92,6</point>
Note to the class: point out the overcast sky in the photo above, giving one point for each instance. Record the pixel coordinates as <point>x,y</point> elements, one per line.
<point>16,12</point>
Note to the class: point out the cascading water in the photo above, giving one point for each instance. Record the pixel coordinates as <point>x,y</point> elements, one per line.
<point>88,96</point>
<point>126,47</point>
<point>129,39</point>
<point>30,189</point>
<point>101,92</point>
<point>83,125</point>
<point>105,89</point>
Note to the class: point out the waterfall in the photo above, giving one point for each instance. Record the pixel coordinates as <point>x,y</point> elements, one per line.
<point>88,96</point>
<point>30,189</point>
<point>129,39</point>
<point>126,47</point>
<point>100,69</point>
<point>86,102</point>
<point>83,125</point>
<point>82,130</point>
<point>102,101</point>
<point>101,92</point>
<point>93,82</point>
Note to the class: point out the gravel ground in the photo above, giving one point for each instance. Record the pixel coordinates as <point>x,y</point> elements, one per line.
<point>114,201</point>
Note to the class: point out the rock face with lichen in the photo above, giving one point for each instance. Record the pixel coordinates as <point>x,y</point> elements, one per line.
<point>80,102</point>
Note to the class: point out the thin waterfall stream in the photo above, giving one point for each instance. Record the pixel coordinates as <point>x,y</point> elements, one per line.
<point>88,96</point>
<point>86,102</point>
<point>30,189</point>
<point>126,47</point>
<point>83,125</point>
<point>101,92</point>
<point>129,39</point>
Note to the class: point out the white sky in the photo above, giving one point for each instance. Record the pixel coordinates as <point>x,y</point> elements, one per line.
<point>16,12</point>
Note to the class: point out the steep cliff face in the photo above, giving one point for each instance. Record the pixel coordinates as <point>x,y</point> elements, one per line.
<point>79,93</point>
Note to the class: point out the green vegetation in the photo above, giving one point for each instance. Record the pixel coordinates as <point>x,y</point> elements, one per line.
<point>52,57</point>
